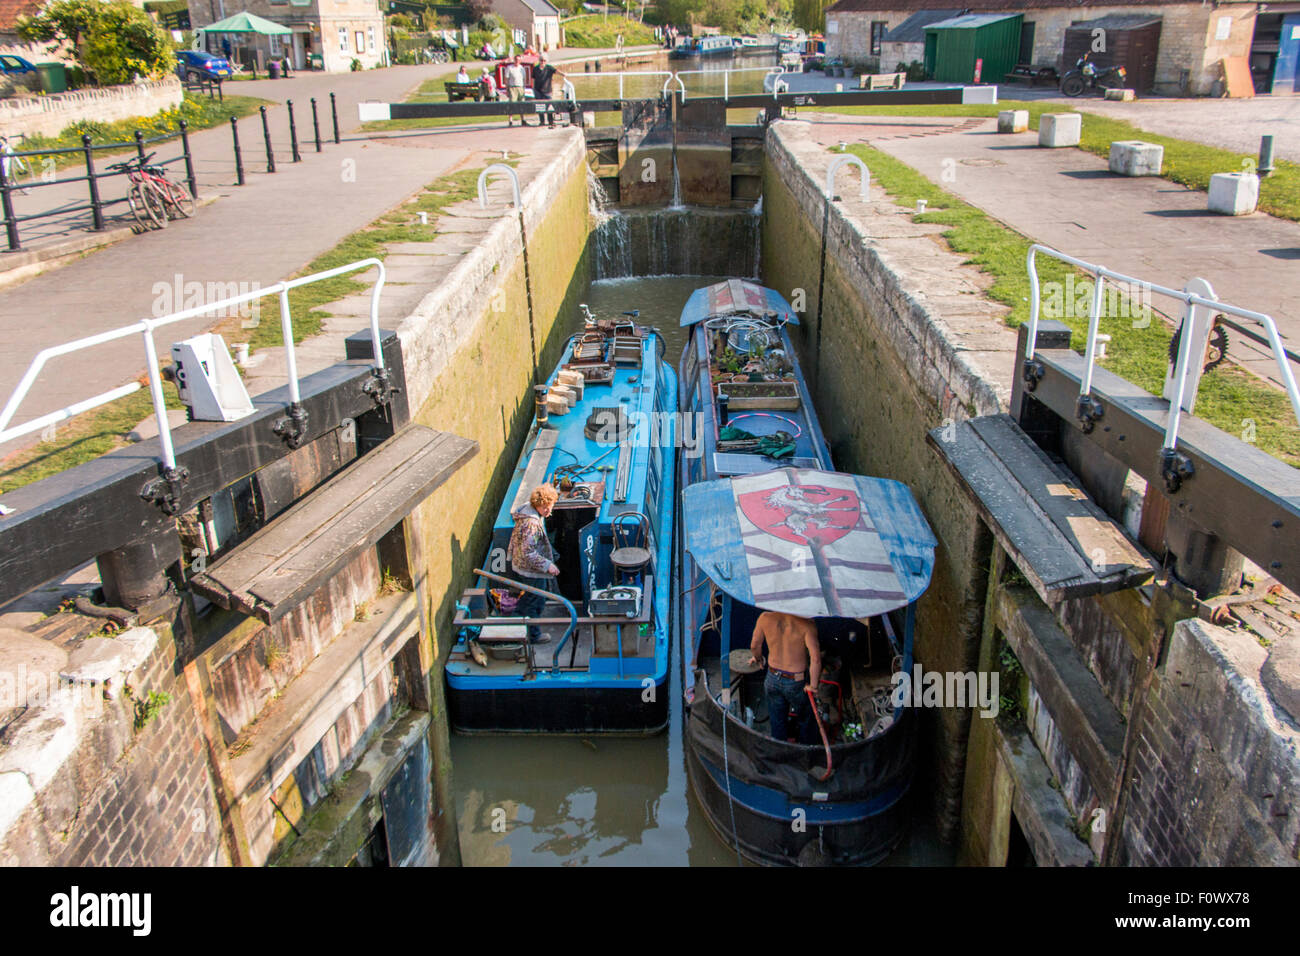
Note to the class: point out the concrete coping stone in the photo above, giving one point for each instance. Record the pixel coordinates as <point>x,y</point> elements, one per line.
<point>102,659</point>
<point>15,794</point>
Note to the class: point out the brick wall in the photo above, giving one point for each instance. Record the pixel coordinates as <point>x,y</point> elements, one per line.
<point>1216,767</point>
<point>126,796</point>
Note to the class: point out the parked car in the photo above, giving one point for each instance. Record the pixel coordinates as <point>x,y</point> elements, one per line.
<point>203,66</point>
<point>11,65</point>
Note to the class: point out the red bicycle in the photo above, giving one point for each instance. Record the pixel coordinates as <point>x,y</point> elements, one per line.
<point>152,196</point>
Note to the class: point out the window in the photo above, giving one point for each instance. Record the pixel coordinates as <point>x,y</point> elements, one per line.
<point>370,39</point>
<point>343,39</point>
<point>878,28</point>
<point>361,42</point>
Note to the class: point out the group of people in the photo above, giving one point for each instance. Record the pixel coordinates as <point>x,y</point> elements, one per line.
<point>517,76</point>
<point>793,659</point>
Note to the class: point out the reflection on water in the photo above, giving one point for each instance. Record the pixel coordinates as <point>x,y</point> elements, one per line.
<point>568,801</point>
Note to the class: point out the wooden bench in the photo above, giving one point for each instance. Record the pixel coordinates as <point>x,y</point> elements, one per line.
<point>463,91</point>
<point>1034,75</point>
<point>881,81</point>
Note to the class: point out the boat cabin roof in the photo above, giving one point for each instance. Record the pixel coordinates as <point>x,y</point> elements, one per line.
<point>739,298</point>
<point>811,543</point>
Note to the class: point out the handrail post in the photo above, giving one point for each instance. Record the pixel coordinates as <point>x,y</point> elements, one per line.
<point>239,158</point>
<point>96,207</point>
<point>189,160</point>
<point>514,183</point>
<point>139,146</point>
<point>7,203</point>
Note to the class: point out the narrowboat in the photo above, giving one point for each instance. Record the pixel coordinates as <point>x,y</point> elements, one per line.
<point>604,437</point>
<point>766,525</point>
<point>703,46</point>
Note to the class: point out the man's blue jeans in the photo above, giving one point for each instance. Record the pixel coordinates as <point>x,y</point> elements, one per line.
<point>785,695</point>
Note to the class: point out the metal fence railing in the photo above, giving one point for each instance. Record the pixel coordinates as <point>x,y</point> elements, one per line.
<point>11,160</point>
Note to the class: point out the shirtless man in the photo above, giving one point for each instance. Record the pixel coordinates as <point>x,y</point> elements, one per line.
<point>794,661</point>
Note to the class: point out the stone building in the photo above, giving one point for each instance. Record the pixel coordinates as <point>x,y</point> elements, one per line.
<point>538,19</point>
<point>1194,37</point>
<point>327,34</point>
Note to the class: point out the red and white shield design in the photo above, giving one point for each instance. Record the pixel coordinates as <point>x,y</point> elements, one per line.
<point>802,513</point>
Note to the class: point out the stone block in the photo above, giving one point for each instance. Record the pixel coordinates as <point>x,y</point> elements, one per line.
<point>1013,121</point>
<point>1133,157</point>
<point>1122,96</point>
<point>100,659</point>
<point>1059,129</point>
<point>1234,194</point>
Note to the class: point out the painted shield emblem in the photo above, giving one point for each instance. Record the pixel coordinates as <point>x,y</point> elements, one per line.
<point>802,514</point>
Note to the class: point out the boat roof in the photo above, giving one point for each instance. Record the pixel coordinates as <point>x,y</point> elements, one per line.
<point>811,543</point>
<point>735,297</point>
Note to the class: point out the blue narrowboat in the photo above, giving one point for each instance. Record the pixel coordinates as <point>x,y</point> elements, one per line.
<point>766,524</point>
<point>604,436</point>
<point>703,46</point>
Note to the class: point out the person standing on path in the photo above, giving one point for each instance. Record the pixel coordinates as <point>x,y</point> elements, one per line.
<point>543,77</point>
<point>515,88</point>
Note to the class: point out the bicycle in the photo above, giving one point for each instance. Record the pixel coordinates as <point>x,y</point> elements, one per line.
<point>152,196</point>
<point>12,165</point>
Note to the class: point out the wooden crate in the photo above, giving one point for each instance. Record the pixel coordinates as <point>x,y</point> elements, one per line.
<point>754,395</point>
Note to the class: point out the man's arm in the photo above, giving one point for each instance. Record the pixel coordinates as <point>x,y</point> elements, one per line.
<point>760,632</point>
<point>814,656</point>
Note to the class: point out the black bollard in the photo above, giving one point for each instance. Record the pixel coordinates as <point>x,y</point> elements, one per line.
<point>334,112</point>
<point>96,207</point>
<point>315,123</point>
<point>293,133</point>
<point>266,135</point>
<point>139,146</point>
<point>239,159</point>
<point>189,159</point>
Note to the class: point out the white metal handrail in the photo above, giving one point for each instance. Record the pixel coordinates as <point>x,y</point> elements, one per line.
<point>680,85</point>
<point>606,76</point>
<point>725,74</point>
<point>146,328</point>
<point>1182,366</point>
<point>498,168</point>
<point>864,189</point>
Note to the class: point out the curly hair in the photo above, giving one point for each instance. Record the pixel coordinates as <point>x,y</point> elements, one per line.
<point>543,496</point>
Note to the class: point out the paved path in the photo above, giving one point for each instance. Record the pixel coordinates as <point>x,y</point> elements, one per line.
<point>1066,198</point>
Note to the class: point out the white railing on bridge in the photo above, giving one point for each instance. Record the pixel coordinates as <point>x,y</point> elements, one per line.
<point>1186,378</point>
<point>146,329</point>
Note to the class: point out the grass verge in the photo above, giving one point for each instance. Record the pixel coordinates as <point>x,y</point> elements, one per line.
<point>1229,398</point>
<point>100,431</point>
<point>1188,163</point>
<point>599,32</point>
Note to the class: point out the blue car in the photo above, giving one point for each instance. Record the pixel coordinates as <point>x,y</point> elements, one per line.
<point>11,65</point>
<point>204,66</point>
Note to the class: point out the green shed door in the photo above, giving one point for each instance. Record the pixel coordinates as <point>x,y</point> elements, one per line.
<point>930,41</point>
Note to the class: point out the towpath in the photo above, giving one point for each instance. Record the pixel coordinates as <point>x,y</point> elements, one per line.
<point>1148,227</point>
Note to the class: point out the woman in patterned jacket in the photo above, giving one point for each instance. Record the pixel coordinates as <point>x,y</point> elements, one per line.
<point>531,556</point>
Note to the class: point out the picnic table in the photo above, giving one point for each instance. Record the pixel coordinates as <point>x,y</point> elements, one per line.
<point>1035,75</point>
<point>463,91</point>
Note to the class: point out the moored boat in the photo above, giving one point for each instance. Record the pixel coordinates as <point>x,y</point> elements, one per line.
<point>605,439</point>
<point>766,525</point>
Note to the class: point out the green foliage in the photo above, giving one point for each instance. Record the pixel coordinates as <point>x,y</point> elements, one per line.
<point>595,32</point>
<point>729,16</point>
<point>114,41</point>
<point>811,14</point>
<point>147,708</point>
<point>355,65</point>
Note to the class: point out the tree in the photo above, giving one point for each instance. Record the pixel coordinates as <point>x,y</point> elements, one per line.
<point>114,41</point>
<point>479,8</point>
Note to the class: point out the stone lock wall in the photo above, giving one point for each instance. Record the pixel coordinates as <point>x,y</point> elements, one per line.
<point>84,784</point>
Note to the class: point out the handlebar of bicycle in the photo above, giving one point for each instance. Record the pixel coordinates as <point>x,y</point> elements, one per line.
<point>134,161</point>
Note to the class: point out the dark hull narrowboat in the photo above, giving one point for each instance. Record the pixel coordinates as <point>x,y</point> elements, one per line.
<point>606,441</point>
<point>766,525</point>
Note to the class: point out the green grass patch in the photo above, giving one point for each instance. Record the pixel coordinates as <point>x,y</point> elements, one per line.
<point>596,31</point>
<point>1191,164</point>
<point>1229,398</point>
<point>199,112</point>
<point>100,431</point>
